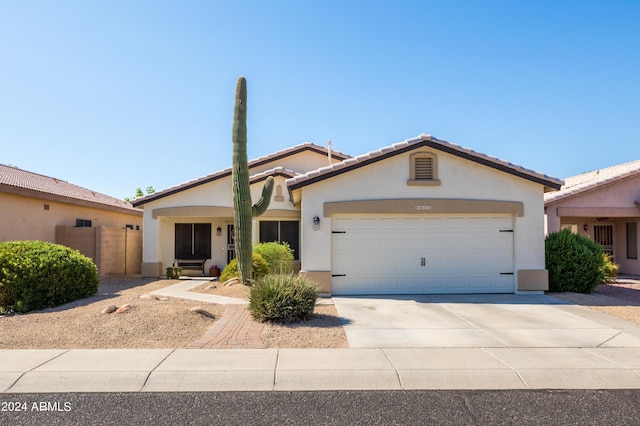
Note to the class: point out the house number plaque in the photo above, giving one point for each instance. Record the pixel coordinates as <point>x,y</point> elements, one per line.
<point>424,207</point>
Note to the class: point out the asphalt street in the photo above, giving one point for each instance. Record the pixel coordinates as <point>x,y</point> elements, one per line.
<point>522,407</point>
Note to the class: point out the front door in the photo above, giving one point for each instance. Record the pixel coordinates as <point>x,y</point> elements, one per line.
<point>603,235</point>
<point>231,242</point>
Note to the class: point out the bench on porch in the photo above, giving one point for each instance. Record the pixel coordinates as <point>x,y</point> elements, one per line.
<point>192,263</point>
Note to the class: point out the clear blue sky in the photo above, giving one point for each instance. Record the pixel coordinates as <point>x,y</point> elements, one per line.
<point>118,94</point>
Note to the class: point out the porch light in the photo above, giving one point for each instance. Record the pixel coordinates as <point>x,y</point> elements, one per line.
<point>316,223</point>
<point>586,227</point>
<point>218,231</point>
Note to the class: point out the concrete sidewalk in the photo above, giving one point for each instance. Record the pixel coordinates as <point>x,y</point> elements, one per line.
<point>474,342</point>
<point>169,370</point>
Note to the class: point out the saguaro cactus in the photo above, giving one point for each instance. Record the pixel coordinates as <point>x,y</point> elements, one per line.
<point>243,210</point>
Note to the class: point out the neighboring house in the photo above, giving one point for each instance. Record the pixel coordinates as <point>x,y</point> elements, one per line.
<point>605,206</point>
<point>38,207</point>
<point>420,216</point>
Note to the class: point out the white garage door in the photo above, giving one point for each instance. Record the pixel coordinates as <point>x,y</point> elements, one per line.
<point>422,254</point>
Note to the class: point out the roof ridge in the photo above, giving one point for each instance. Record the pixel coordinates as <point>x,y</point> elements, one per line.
<point>407,144</point>
<point>251,163</point>
<point>586,181</point>
<point>33,173</point>
<point>15,177</point>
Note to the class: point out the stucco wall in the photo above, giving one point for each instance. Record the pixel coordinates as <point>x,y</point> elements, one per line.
<point>25,218</point>
<point>460,179</point>
<point>159,235</point>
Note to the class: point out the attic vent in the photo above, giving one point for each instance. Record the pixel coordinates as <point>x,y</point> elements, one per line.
<point>424,168</point>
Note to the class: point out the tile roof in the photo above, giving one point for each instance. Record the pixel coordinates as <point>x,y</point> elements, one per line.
<point>306,146</point>
<point>413,143</point>
<point>575,185</point>
<point>13,179</point>
<point>276,171</point>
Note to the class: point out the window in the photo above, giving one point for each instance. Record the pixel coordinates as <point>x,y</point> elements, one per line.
<point>282,231</point>
<point>632,240</point>
<point>83,223</point>
<point>423,169</point>
<point>192,239</point>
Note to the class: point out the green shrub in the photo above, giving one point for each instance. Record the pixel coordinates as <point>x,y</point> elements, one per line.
<point>575,263</point>
<point>259,268</point>
<point>610,269</point>
<point>36,275</point>
<point>278,256</point>
<point>283,298</point>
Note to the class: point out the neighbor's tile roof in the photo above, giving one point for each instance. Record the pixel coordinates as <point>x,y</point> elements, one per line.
<point>306,146</point>
<point>411,144</point>
<point>575,185</point>
<point>15,180</point>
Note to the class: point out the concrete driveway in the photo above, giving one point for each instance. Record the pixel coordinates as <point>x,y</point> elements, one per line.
<point>480,321</point>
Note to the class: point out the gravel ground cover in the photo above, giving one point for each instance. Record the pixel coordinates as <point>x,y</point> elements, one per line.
<point>620,299</point>
<point>169,323</point>
<point>151,323</point>
<point>324,330</point>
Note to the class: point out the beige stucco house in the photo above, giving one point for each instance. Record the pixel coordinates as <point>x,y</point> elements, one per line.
<point>605,206</point>
<point>38,207</point>
<point>419,216</point>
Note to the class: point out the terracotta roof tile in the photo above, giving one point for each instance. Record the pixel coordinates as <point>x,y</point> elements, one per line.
<point>423,140</point>
<point>281,171</point>
<point>578,184</point>
<point>227,172</point>
<point>21,179</point>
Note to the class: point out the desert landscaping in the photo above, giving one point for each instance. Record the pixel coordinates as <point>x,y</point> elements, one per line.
<point>160,322</point>
<point>151,322</point>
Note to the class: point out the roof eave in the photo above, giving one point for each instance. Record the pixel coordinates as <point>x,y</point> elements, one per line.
<point>428,141</point>
<point>68,200</point>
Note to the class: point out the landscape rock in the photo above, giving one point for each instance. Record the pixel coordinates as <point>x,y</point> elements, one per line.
<point>232,281</point>
<point>202,311</point>
<point>109,309</point>
<point>124,308</point>
<point>149,296</point>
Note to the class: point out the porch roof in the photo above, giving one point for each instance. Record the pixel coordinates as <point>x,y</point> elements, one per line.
<point>276,171</point>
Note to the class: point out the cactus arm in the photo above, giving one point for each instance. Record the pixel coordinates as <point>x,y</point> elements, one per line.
<point>263,203</point>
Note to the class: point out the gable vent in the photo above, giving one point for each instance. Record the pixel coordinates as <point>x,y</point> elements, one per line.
<point>424,168</point>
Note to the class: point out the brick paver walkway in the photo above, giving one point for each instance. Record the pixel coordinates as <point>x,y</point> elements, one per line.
<point>235,330</point>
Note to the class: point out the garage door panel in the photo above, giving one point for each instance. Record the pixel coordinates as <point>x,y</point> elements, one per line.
<point>383,255</point>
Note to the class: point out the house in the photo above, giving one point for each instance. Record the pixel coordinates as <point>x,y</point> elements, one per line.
<point>419,216</point>
<point>603,205</point>
<point>38,207</point>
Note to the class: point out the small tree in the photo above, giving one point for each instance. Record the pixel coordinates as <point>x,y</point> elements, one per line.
<point>139,193</point>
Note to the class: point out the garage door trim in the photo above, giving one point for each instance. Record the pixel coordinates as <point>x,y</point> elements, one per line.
<point>423,205</point>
